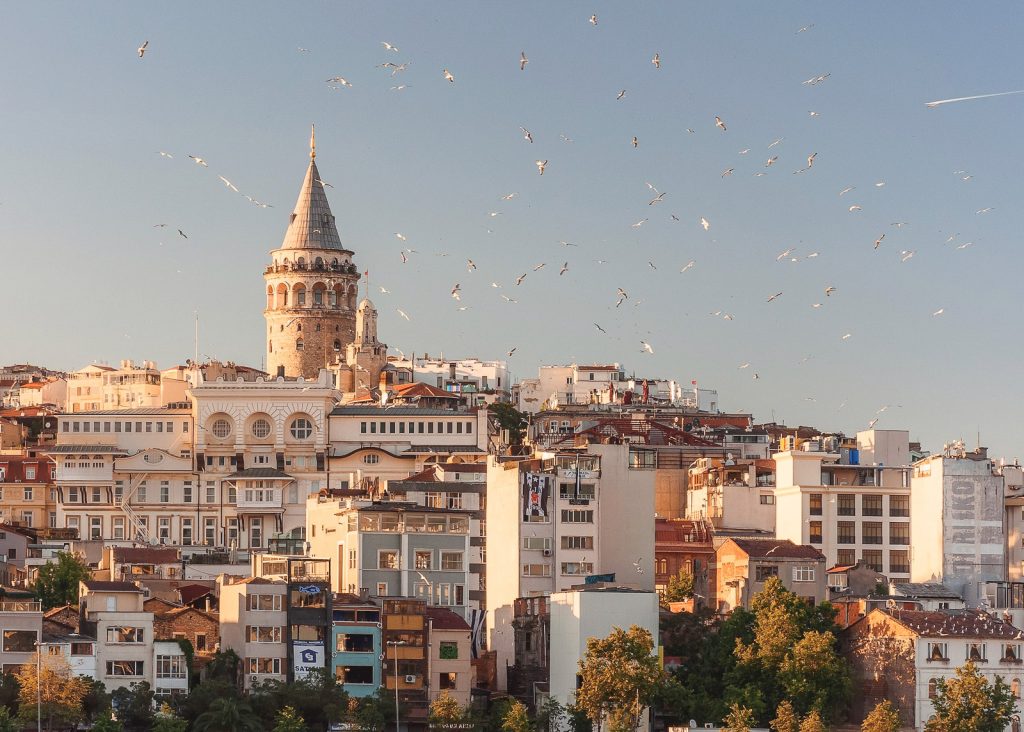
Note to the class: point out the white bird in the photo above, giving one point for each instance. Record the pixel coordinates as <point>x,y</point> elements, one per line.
<point>728,171</point>
<point>506,298</point>
<point>880,184</point>
<point>771,161</point>
<point>448,76</point>
<point>564,269</point>
<point>637,567</point>
<point>878,241</point>
<point>303,50</point>
<point>872,423</point>
<point>776,142</point>
<point>563,138</point>
<point>775,296</point>
<point>385,291</point>
<point>638,224</point>
<point>816,305</point>
<point>523,60</point>
<point>647,347</point>
<point>965,245</point>
<point>339,80</point>
<point>719,123</point>
<point>812,255</point>
<point>806,28</point>
<point>744,365</point>
<point>404,258</point>
<point>402,313</point>
<point>199,161</point>
<point>744,151</point>
<point>855,207</point>
<point>829,290</point>
<point>635,141</point>
<point>814,114</point>
<point>166,155</point>
<point>846,190</point>
<point>142,48</point>
<point>983,210</point>
<point>540,266</point>
<point>932,105</point>
<point>520,278</point>
<point>400,236</point>
<point>940,311</point>
<point>512,350</point>
<point>621,95</point>
<point>783,255</point>
<point>495,285</point>
<point>688,265</point>
<point>509,196</point>
<point>228,183</point>
<point>622,293</point>
<point>470,265</point>
<point>455,291</point>
<point>847,336</point>
<point>389,47</point>
<point>816,80</point>
<point>541,164</point>
<point>656,199</point>
<point>593,20</point>
<point>566,243</point>
<point>526,134</point>
<point>907,254</point>
<point>705,223</point>
<point>810,159</point>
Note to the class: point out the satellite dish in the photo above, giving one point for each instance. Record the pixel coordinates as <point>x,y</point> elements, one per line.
<point>693,724</point>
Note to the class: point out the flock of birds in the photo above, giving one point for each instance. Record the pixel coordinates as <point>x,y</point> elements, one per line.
<point>396,70</point>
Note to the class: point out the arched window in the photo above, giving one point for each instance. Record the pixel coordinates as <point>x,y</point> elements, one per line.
<point>282,295</point>
<point>301,428</point>
<point>270,297</point>
<point>298,328</point>
<point>260,428</point>
<point>337,345</point>
<point>933,688</point>
<point>317,329</point>
<point>298,345</point>
<point>1015,688</point>
<point>221,428</point>
<point>319,262</point>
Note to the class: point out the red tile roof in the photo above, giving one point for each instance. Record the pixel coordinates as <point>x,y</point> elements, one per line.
<point>191,593</point>
<point>444,619</point>
<point>101,586</point>
<point>763,548</point>
<point>419,389</point>
<point>958,624</point>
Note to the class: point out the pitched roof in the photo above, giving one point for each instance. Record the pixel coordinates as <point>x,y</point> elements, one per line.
<point>191,593</point>
<point>102,586</point>
<point>145,555</point>
<point>427,475</point>
<point>780,549</point>
<point>442,618</point>
<point>260,473</point>
<point>419,389</point>
<point>312,224</point>
<point>954,623</point>
<point>932,590</point>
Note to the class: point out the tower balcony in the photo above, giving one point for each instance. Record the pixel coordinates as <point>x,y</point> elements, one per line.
<point>332,268</point>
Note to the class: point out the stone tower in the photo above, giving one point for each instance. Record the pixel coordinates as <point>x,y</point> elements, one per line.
<point>365,357</point>
<point>311,287</point>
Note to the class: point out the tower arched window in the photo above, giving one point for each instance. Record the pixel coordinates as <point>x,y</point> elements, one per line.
<point>270,346</point>
<point>298,328</point>
<point>337,345</point>
<point>317,327</point>
<point>298,345</point>
<point>319,262</point>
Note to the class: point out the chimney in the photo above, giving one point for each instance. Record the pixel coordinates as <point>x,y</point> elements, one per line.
<point>382,384</point>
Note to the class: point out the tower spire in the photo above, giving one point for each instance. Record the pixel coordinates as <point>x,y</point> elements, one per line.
<point>312,142</point>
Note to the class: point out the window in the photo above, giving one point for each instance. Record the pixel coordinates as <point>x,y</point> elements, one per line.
<point>210,531</point>
<point>814,532</point>
<point>451,561</point>
<point>163,528</point>
<point>30,474</point>
<point>899,561</point>
<point>454,501</point>
<point>815,504</point>
<point>873,559</point>
<point>933,688</point>
<point>187,492</point>
<point>260,429</point>
<point>354,674</point>
<point>73,494</point>
<point>211,492</point>
<point>352,559</point>
<point>448,650</point>
<point>125,634</point>
<point>871,505</point>
<point>803,574</point>
<point>355,642</point>
<point>577,542</point>
<point>937,652</point>
<point>536,570</point>
<point>1011,652</point>
<point>19,641</point>
<point>846,557</point>
<point>447,680</point>
<point>872,532</point>
<point>767,499</point>
<point>221,428</point>
<point>536,543</point>
<point>264,665</point>
<point>263,634</point>
<point>298,343</point>
<point>264,602</point>
<point>170,667</point>
<point>577,516</point>
<point>763,571</point>
<point>96,527</point>
<point>382,589</point>
<point>371,459</point>
<point>423,559</point>
<point>899,533</point>
<point>301,428</point>
<point>976,652</point>
<point>124,668</point>
<point>1015,688</point>
<point>186,531</point>
<point>846,504</point>
<point>81,649</point>
<point>846,532</point>
<point>574,568</point>
<point>387,559</point>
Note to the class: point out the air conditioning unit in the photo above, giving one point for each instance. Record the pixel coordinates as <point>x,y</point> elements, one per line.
<point>254,678</point>
<point>547,552</point>
<point>410,679</point>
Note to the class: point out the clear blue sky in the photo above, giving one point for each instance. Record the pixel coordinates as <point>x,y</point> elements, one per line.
<point>88,277</point>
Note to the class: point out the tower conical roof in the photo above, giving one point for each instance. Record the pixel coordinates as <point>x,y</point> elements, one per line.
<point>312,223</point>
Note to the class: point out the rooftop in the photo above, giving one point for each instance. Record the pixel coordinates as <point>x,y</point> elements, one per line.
<point>361,411</point>
<point>932,590</point>
<point>954,623</point>
<point>99,586</point>
<point>145,555</point>
<point>163,411</point>
<point>775,548</point>
<point>442,618</point>
<point>260,473</point>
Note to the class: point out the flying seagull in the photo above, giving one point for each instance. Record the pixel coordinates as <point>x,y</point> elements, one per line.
<point>523,60</point>
<point>541,164</point>
<point>719,123</point>
<point>933,105</point>
<point>199,161</point>
<point>647,347</point>
<point>389,47</point>
<point>448,76</point>
<point>656,60</point>
<point>142,48</point>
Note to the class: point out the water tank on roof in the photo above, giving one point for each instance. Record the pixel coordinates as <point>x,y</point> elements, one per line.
<point>854,456</point>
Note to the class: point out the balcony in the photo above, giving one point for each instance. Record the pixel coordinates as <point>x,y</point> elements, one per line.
<point>20,606</point>
<point>255,500</point>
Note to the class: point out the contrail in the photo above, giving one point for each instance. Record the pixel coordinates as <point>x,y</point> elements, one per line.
<point>964,99</point>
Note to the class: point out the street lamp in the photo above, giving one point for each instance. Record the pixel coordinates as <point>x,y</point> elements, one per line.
<point>39,688</point>
<point>396,644</point>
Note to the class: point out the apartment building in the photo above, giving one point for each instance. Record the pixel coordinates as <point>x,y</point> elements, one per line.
<point>568,515</point>
<point>253,623</point>
<point>470,378</point>
<point>742,566</point>
<point>356,643</point>
<point>732,494</point>
<point>852,501</point>
<point>404,639</point>
<point>26,489</point>
<point>21,625</point>
<point>450,649</point>
<point>112,612</point>
<point>127,386</point>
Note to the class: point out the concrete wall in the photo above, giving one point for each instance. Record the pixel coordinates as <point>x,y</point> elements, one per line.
<point>625,517</point>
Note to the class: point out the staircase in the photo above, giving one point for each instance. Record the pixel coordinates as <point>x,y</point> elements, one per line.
<point>138,530</point>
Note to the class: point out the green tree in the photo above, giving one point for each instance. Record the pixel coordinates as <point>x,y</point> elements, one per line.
<point>550,715</point>
<point>511,419</point>
<point>57,581</point>
<point>812,723</point>
<point>167,721</point>
<point>619,678</point>
<point>739,719</point>
<point>134,706</point>
<point>680,587</point>
<point>7,723</point>
<point>969,703</point>
<point>97,701</point>
<point>228,715</point>
<point>445,710</point>
<point>288,720</point>
<point>60,693</point>
<point>814,675</point>
<point>883,718</point>
<point>785,718</point>
<point>517,718</point>
<point>106,723</point>
<point>372,713</point>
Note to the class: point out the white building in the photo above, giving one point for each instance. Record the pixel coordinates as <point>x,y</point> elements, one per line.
<point>129,386</point>
<point>574,384</point>
<point>1013,502</point>
<point>112,612</point>
<point>466,376</point>
<point>851,503</point>
<point>956,504</point>
<point>593,612</point>
<point>565,524</point>
<point>253,620</point>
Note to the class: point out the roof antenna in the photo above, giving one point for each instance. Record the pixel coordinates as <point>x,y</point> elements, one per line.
<point>312,142</point>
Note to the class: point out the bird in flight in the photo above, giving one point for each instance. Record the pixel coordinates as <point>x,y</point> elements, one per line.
<point>635,141</point>
<point>402,313</point>
<point>656,60</point>
<point>783,255</point>
<point>600,328</point>
<point>455,291</point>
<point>400,236</point>
<point>448,76</point>
<point>656,199</point>
<point>540,266</point>
<point>878,241</point>
<point>940,311</point>
<point>593,20</point>
<point>776,296</point>
<point>933,105</point>
<point>638,224</point>
<point>520,278</point>
<point>182,233</point>
<point>907,254</point>
<point>509,196</point>
<point>846,190</point>
<point>719,123</point>
<point>829,290</point>
<point>621,95</point>
<point>523,60</point>
<point>688,265</point>
<point>541,164</point>
<point>728,171</point>
<point>847,337</point>
<point>771,161</point>
<point>815,80</point>
<point>564,269</point>
<point>647,347</point>
<point>228,183</point>
<point>142,48</point>
<point>385,291</point>
<point>389,46</point>
<point>199,161</point>
<point>810,160</point>
<point>512,350</point>
<point>506,298</point>
<point>166,155</point>
<point>340,80</point>
<point>855,208</point>
<point>776,142</point>
<point>705,223</point>
<point>470,265</point>
<point>983,210</point>
<point>872,423</point>
<point>806,28</point>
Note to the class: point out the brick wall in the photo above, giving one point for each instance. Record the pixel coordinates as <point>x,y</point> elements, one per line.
<point>188,623</point>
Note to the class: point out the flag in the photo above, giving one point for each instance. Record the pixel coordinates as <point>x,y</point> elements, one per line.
<point>694,382</point>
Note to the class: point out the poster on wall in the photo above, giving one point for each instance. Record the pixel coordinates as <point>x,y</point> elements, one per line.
<point>536,496</point>
<point>307,657</point>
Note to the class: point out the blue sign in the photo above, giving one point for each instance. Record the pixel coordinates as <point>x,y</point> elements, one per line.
<point>310,590</point>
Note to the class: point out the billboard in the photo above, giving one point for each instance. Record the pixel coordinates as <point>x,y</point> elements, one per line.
<point>307,657</point>
<point>536,496</point>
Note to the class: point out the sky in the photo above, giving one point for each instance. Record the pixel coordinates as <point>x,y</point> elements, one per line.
<point>88,275</point>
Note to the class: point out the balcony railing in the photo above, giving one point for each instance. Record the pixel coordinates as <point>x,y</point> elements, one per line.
<point>20,606</point>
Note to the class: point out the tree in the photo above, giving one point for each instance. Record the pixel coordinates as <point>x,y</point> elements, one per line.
<point>106,723</point>
<point>134,706</point>
<point>814,675</point>
<point>883,718</point>
<point>785,718</point>
<point>97,701</point>
<point>680,587</point>
<point>7,723</point>
<point>969,703</point>
<point>57,581</point>
<point>619,677</point>
<point>228,715</point>
<point>517,718</point>
<point>288,720</point>
<point>445,710</point>
<point>550,715</point>
<point>511,419</point>
<point>372,713</point>
<point>167,721</point>
<point>739,719</point>
<point>812,723</point>
<point>60,693</point>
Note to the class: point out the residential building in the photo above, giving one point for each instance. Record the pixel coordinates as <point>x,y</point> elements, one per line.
<point>51,390</point>
<point>826,495</point>
<point>1013,519</point>
<point>449,645</point>
<point>569,515</point>
<point>129,563</point>
<point>130,386</point>
<point>681,545</point>
<point>530,671</point>
<point>356,643</point>
<point>198,627</point>
<point>26,489</point>
<point>927,596</point>
<point>309,614</point>
<point>744,565</point>
<point>404,640</point>
<point>733,495</point>
<point>588,612</point>
<point>253,623</point>
<point>573,384</point>
<point>112,612</point>
<point>900,655</point>
<point>476,381</point>
<point>79,651</point>
<point>959,537</point>
<point>170,670</point>
<point>21,622</point>
<point>14,544</point>
<point>393,549</point>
